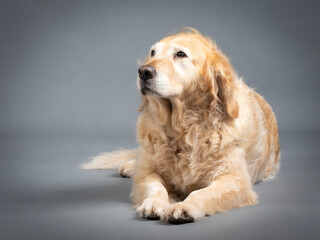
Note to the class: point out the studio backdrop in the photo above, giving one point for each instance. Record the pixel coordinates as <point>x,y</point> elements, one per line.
<point>70,67</point>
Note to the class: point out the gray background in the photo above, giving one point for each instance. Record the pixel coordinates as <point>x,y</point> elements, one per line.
<point>69,67</point>
<point>68,91</point>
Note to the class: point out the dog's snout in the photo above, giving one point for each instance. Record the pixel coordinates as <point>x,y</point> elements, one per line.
<point>146,72</point>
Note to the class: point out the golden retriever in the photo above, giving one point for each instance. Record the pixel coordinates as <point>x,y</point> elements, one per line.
<point>205,137</point>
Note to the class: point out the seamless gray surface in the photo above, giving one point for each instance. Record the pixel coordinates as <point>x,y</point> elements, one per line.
<point>44,195</point>
<point>68,92</point>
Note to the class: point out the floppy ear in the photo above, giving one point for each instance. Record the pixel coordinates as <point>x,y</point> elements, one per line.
<point>223,83</point>
<point>225,94</point>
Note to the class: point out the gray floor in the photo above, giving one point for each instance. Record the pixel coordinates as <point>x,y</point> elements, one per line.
<point>44,195</point>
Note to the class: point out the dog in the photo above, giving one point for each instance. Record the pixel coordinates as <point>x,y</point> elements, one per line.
<point>205,137</point>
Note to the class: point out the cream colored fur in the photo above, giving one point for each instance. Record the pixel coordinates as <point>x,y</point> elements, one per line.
<point>205,137</point>
<point>123,160</point>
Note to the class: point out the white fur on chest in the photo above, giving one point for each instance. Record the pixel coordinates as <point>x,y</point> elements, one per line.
<point>190,162</point>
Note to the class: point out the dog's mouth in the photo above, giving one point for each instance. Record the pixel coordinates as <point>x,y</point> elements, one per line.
<point>146,89</point>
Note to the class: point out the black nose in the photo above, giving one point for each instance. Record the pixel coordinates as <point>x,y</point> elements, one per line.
<point>146,72</point>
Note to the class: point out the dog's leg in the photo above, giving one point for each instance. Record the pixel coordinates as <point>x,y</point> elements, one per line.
<point>126,168</point>
<point>150,197</point>
<point>230,190</point>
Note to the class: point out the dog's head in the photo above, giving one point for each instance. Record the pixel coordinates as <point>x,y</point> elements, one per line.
<point>185,64</point>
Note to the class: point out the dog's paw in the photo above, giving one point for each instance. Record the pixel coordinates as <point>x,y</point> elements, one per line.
<point>182,212</point>
<point>152,208</point>
<point>127,168</point>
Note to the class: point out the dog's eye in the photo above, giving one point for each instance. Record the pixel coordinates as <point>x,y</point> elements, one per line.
<point>153,52</point>
<point>181,54</point>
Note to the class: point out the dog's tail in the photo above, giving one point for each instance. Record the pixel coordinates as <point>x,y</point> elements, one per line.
<point>112,160</point>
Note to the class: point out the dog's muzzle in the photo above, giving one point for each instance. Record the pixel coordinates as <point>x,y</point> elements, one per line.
<point>146,73</point>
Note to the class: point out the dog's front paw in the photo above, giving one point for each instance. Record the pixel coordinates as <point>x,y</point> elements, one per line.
<point>182,212</point>
<point>152,208</point>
